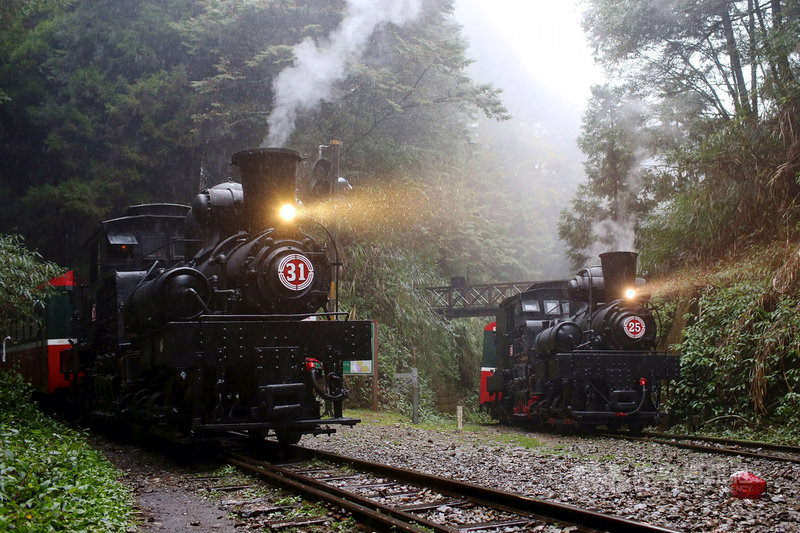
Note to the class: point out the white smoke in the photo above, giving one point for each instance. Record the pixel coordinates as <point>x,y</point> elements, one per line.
<point>308,83</point>
<point>620,234</point>
<point>614,236</point>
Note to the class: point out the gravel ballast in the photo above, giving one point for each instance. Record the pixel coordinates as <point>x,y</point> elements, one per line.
<point>656,483</point>
<point>648,482</point>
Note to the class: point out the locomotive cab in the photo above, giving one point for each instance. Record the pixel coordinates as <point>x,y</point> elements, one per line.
<point>116,259</point>
<point>520,320</point>
<point>144,234</point>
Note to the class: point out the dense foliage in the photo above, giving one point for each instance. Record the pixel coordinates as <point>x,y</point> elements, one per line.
<point>697,138</point>
<point>740,361</point>
<point>50,479</point>
<point>23,279</point>
<point>107,104</point>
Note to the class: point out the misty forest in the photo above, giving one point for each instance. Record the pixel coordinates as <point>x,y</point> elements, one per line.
<point>688,154</point>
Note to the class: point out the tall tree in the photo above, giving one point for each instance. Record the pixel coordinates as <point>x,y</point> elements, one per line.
<point>699,46</point>
<point>721,88</point>
<point>606,208</point>
<point>109,103</point>
<point>98,117</point>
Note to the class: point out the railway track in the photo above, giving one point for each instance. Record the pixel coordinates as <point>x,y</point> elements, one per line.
<point>744,448</point>
<point>387,498</point>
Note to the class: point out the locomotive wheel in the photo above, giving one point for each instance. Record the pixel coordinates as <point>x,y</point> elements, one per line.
<point>635,429</point>
<point>287,437</point>
<point>255,438</point>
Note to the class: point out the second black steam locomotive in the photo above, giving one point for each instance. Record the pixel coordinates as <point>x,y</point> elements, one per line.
<point>579,352</point>
<point>200,321</point>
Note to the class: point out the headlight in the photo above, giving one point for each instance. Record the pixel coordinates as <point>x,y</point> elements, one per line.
<point>288,212</point>
<point>630,294</point>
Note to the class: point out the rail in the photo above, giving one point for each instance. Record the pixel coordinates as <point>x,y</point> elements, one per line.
<point>721,446</point>
<point>383,517</point>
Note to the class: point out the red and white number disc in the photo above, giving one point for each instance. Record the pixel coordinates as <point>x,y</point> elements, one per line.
<point>634,327</point>
<point>295,272</point>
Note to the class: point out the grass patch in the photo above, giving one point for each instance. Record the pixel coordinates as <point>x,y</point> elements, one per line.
<point>773,434</point>
<point>437,422</point>
<point>448,424</point>
<point>518,439</point>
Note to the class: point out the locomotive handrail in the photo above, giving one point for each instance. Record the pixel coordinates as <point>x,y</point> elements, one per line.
<point>590,309</point>
<point>337,263</point>
<point>147,274</point>
<point>662,334</point>
<point>197,297</point>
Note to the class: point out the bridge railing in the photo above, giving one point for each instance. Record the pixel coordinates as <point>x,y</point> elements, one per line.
<point>473,300</point>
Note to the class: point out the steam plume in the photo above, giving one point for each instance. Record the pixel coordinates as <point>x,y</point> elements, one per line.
<point>308,83</point>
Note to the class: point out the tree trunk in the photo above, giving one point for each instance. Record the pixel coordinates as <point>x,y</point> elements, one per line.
<point>742,99</point>
<point>781,54</point>
<point>753,63</point>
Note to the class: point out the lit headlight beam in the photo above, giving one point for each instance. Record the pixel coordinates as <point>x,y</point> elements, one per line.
<point>630,293</point>
<point>288,212</point>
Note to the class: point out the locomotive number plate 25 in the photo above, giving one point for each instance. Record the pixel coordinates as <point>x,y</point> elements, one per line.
<point>634,327</point>
<point>295,272</point>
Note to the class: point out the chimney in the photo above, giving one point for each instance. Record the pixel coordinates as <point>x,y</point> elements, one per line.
<point>619,273</point>
<point>269,180</point>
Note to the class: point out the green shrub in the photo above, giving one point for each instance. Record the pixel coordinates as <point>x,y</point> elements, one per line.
<point>741,357</point>
<point>50,479</point>
<point>693,223</point>
<point>15,397</point>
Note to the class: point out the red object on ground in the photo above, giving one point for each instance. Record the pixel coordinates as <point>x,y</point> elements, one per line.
<point>747,486</point>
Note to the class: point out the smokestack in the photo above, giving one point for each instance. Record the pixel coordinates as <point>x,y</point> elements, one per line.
<point>269,180</point>
<point>619,273</point>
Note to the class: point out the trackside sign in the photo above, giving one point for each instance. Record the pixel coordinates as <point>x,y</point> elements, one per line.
<point>361,368</point>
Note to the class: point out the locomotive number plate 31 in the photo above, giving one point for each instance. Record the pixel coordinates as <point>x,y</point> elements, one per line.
<point>295,272</point>
<point>634,327</point>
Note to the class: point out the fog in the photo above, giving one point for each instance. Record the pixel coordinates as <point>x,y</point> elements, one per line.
<point>536,52</point>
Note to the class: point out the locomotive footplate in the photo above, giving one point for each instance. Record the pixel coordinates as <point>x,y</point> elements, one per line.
<point>311,426</point>
<point>230,340</point>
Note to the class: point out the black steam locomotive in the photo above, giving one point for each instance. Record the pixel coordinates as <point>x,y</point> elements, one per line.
<point>579,352</point>
<point>199,322</point>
